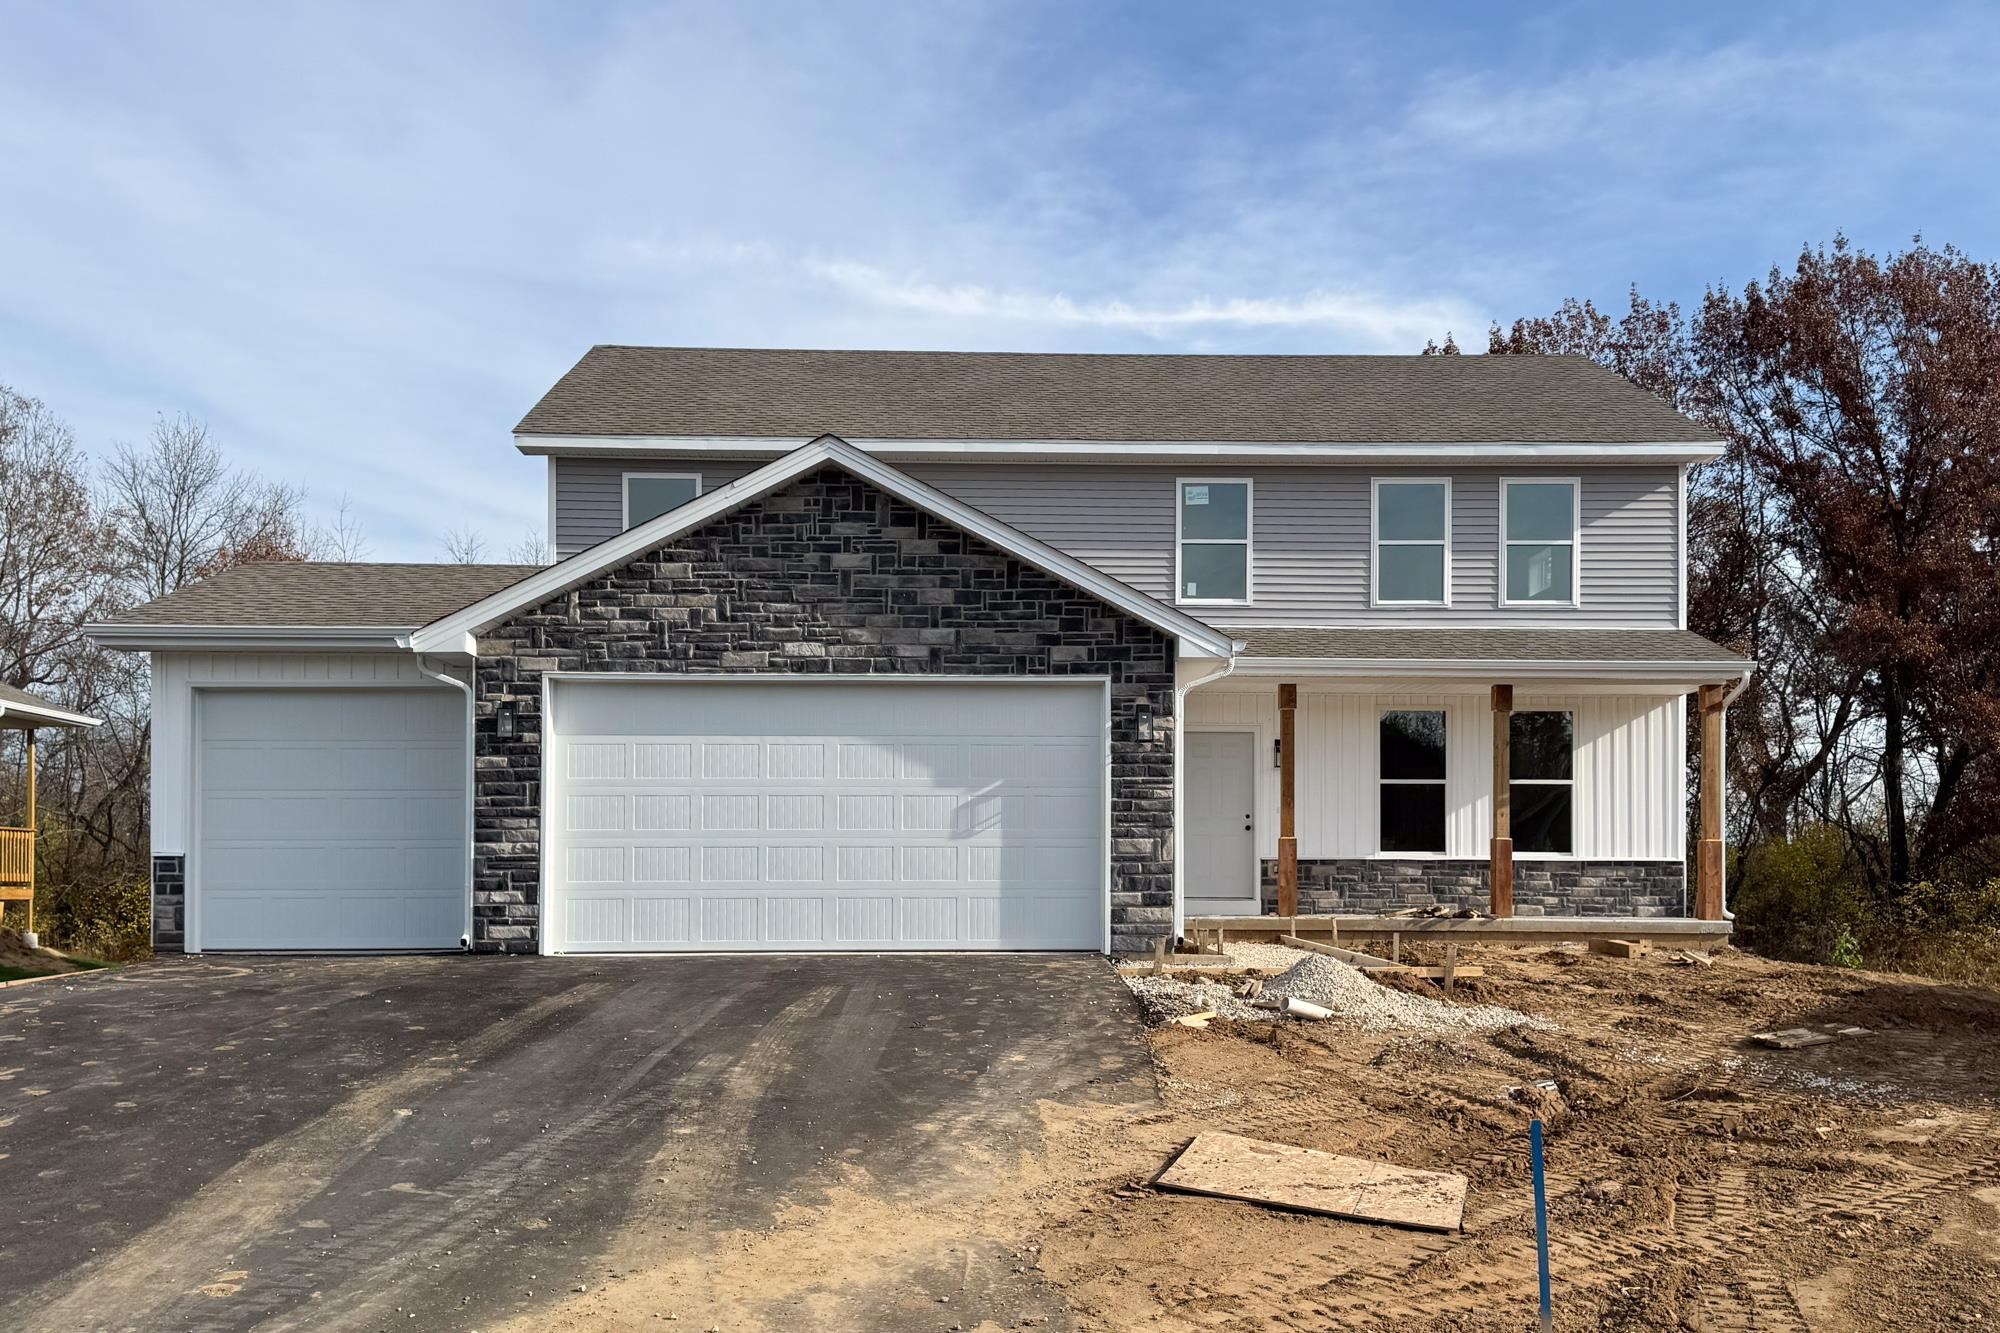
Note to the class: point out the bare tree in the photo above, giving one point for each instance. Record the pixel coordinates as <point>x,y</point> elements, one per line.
<point>55,566</point>
<point>342,539</point>
<point>180,512</point>
<point>531,549</point>
<point>464,546</point>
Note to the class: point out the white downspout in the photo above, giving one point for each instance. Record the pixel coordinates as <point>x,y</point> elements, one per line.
<point>1722,776</point>
<point>1180,769</point>
<point>464,940</point>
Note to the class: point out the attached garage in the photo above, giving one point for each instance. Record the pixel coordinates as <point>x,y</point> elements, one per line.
<point>329,818</point>
<point>693,814</point>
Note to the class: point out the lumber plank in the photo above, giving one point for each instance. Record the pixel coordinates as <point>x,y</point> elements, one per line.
<point>1361,960</point>
<point>1621,948</point>
<point>1229,1166</point>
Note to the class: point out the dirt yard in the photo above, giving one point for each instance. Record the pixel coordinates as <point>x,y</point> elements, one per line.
<point>1697,1181</point>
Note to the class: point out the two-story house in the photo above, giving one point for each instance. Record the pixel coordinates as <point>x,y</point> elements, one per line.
<point>886,651</point>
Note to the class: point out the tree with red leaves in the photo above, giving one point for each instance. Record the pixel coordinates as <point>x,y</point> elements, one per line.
<point>1850,540</point>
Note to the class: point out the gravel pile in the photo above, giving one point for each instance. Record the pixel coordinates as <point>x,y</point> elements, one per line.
<point>1354,999</point>
<point>1357,1000</point>
<point>1164,999</point>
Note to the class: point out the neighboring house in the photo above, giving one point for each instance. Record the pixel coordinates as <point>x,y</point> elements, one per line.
<point>860,650</point>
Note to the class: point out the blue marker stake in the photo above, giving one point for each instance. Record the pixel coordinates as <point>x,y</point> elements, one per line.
<point>1541,1222</point>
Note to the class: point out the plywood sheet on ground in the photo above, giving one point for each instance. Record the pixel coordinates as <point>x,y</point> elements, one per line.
<point>1229,1166</point>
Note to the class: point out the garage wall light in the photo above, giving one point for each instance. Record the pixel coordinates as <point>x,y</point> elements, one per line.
<point>505,720</point>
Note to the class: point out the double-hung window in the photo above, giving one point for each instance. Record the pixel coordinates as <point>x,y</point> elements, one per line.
<point>651,494</point>
<point>1412,781</point>
<point>1541,788</point>
<point>1412,524</point>
<point>1539,523</point>
<point>1213,521</point>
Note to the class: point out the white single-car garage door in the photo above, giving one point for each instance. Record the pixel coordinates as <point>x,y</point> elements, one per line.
<point>810,815</point>
<point>330,819</point>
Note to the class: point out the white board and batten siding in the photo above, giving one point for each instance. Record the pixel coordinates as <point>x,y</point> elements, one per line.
<point>739,815</point>
<point>1629,766</point>
<point>1311,540</point>
<point>320,799</point>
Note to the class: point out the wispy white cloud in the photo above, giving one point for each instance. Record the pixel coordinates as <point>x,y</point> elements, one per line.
<point>1356,317</point>
<point>362,240</point>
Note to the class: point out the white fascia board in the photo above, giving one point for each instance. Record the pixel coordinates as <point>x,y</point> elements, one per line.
<point>1102,451</point>
<point>440,636</point>
<point>249,638</point>
<point>20,716</point>
<point>1430,668</point>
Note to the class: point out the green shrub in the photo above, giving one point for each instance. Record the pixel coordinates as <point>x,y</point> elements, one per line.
<point>109,919</point>
<point>1803,898</point>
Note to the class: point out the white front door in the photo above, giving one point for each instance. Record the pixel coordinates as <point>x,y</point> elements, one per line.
<point>808,815</point>
<point>1221,828</point>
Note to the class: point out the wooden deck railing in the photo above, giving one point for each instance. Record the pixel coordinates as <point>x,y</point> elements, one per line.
<point>17,861</point>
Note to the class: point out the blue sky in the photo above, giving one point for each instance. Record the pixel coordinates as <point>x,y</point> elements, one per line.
<point>361,239</point>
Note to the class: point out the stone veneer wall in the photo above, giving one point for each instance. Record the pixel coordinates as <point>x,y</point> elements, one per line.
<point>829,576</point>
<point>169,904</point>
<point>1363,887</point>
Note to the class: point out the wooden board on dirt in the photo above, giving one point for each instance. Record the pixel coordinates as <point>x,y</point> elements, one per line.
<point>1229,1166</point>
<point>1622,948</point>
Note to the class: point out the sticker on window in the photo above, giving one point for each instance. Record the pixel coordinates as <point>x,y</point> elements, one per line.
<point>1197,495</point>
<point>1191,591</point>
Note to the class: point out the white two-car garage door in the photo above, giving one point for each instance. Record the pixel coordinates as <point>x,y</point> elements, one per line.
<point>810,815</point>
<point>330,819</point>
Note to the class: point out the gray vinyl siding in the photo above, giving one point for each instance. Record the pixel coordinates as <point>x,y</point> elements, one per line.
<point>1310,553</point>
<point>590,493</point>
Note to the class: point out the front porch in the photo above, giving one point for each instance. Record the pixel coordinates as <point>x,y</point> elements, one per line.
<point>26,714</point>
<point>1375,934</point>
<point>1547,788</point>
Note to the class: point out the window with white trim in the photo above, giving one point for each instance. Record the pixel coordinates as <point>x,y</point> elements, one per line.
<point>1212,525</point>
<point>1410,761</point>
<point>1541,787</point>
<point>1412,525</point>
<point>1539,540</point>
<point>651,494</point>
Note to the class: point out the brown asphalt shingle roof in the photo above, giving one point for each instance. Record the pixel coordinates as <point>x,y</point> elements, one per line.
<point>704,391</point>
<point>289,592</point>
<point>1489,645</point>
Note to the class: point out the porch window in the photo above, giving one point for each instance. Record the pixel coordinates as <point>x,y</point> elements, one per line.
<point>1541,751</point>
<point>1412,522</point>
<point>1412,781</point>
<point>1213,522</point>
<point>651,494</point>
<point>1541,522</point>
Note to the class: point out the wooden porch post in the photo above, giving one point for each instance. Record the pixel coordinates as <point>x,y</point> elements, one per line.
<point>31,830</point>
<point>1288,833</point>
<point>1708,853</point>
<point>1500,853</point>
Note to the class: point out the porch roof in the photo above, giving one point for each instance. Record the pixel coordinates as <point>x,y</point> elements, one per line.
<point>1625,651</point>
<point>22,711</point>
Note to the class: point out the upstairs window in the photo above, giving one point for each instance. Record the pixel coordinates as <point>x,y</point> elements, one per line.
<point>1540,525</point>
<point>1412,781</point>
<point>1213,521</point>
<point>1541,790</point>
<point>651,494</point>
<point>1412,523</point>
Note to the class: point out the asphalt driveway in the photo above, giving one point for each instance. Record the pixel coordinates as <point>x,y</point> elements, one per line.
<point>446,1142</point>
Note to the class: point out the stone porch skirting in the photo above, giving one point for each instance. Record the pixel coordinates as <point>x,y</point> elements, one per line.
<point>1362,887</point>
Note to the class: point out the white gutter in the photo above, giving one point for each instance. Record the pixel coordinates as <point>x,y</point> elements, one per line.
<point>249,638</point>
<point>1226,666</point>
<point>1476,668</point>
<point>471,769</point>
<point>1102,451</point>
